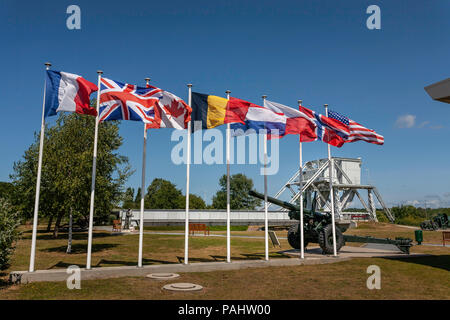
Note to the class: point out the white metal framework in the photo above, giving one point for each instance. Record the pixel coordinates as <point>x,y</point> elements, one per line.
<point>346,184</point>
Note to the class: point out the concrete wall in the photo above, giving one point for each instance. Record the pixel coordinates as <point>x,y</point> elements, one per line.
<point>209,217</point>
<point>351,167</point>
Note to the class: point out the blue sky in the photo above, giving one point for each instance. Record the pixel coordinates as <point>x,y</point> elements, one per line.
<point>318,51</point>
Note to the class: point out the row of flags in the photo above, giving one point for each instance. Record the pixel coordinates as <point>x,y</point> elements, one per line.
<point>158,108</point>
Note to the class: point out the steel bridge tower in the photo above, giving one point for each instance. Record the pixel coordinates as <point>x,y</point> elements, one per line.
<point>346,185</point>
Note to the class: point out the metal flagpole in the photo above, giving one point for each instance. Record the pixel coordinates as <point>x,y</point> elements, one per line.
<point>38,179</point>
<point>94,166</point>
<point>188,163</point>
<point>228,186</point>
<point>331,167</point>
<point>266,215</point>
<point>141,216</point>
<point>300,185</point>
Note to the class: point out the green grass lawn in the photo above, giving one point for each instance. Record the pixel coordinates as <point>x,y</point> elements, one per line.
<point>410,278</point>
<point>122,249</point>
<point>182,228</point>
<point>413,278</point>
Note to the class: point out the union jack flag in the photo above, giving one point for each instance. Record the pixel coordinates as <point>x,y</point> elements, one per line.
<point>153,106</point>
<point>355,130</point>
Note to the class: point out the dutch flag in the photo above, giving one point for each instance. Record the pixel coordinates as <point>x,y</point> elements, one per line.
<point>68,92</point>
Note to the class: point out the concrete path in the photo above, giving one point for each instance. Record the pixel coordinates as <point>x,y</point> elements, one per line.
<point>355,252</point>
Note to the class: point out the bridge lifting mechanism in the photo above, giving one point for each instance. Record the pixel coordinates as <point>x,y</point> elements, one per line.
<point>346,184</point>
<point>317,222</point>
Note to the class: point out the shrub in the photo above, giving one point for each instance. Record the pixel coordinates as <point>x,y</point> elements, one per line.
<point>9,234</point>
<point>410,221</point>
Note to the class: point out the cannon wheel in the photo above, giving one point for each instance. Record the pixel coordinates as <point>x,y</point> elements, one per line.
<point>326,239</point>
<point>434,226</point>
<point>294,236</point>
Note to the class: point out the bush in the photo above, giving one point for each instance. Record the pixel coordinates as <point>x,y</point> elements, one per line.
<point>410,221</point>
<point>9,234</point>
<point>381,216</point>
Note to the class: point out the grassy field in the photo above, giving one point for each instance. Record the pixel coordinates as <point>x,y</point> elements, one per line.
<point>410,278</point>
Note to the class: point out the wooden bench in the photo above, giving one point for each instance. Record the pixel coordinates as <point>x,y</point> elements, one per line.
<point>445,236</point>
<point>198,227</point>
<point>117,225</point>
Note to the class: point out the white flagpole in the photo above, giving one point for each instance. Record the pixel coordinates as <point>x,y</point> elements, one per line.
<point>38,180</point>
<point>300,185</point>
<point>188,163</point>
<point>141,216</point>
<point>94,166</point>
<point>228,187</point>
<point>266,215</point>
<point>331,167</point>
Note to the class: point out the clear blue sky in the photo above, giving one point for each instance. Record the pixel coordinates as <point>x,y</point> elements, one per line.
<point>318,51</point>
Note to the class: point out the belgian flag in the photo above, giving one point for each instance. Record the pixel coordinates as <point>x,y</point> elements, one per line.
<point>214,111</point>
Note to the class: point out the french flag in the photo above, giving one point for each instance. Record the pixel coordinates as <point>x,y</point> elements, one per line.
<point>68,92</point>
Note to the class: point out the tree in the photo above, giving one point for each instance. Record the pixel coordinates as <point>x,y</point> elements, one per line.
<point>137,200</point>
<point>128,199</point>
<point>9,234</point>
<point>162,194</point>
<point>6,189</point>
<point>240,185</point>
<point>195,202</point>
<point>67,171</point>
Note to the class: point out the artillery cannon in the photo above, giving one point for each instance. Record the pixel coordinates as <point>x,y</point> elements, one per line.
<point>440,221</point>
<point>317,228</point>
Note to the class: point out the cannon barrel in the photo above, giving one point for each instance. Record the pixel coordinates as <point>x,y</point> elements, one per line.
<point>277,202</point>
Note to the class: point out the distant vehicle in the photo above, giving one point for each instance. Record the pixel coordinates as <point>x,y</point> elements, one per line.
<point>440,221</point>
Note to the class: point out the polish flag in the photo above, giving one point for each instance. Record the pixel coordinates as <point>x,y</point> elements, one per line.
<point>68,92</point>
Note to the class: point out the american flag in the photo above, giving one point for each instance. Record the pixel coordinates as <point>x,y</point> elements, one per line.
<point>355,130</point>
<point>153,106</point>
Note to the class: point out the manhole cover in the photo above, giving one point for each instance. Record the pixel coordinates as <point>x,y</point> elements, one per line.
<point>163,276</point>
<point>183,287</point>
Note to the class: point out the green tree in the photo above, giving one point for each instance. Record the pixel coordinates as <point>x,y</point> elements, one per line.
<point>9,234</point>
<point>240,185</point>
<point>162,194</point>
<point>195,202</point>
<point>137,199</point>
<point>67,171</point>
<point>6,189</point>
<point>128,199</point>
